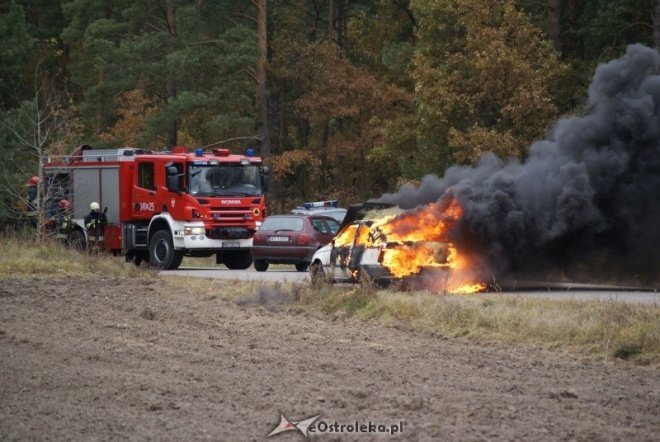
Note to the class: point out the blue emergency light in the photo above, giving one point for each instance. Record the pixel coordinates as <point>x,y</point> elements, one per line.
<point>331,203</point>
<point>199,152</point>
<point>250,152</point>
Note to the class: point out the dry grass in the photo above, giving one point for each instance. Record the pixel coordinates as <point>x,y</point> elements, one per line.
<point>603,329</point>
<point>212,288</point>
<point>610,329</point>
<point>21,257</point>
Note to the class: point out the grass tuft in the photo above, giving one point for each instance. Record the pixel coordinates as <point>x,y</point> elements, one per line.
<point>20,257</point>
<point>609,329</point>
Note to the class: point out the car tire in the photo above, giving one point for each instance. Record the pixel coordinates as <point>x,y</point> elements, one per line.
<point>260,265</point>
<point>302,266</point>
<point>316,273</point>
<point>76,240</point>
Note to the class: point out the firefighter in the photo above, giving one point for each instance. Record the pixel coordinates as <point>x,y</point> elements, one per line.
<point>95,223</point>
<point>64,221</point>
<point>33,199</point>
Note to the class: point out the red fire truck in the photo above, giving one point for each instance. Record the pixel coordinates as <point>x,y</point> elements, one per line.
<point>162,206</point>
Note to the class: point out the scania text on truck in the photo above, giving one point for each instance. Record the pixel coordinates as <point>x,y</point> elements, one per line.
<point>162,206</point>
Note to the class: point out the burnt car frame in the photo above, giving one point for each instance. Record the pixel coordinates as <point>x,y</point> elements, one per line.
<point>358,251</point>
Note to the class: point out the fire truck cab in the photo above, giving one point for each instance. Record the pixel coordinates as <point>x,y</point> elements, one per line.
<point>162,206</point>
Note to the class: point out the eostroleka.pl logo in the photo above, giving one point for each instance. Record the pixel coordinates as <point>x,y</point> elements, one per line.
<point>310,425</point>
<point>287,425</point>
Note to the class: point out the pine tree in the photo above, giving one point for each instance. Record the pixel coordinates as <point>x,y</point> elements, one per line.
<point>189,64</point>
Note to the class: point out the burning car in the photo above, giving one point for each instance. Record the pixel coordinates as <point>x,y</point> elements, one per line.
<point>381,244</point>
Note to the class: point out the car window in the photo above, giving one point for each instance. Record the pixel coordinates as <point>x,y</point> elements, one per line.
<point>320,226</point>
<point>282,223</point>
<point>347,236</point>
<point>334,225</point>
<point>145,176</point>
<point>337,214</point>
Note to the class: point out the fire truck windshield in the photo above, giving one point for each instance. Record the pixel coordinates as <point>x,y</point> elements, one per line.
<point>224,180</point>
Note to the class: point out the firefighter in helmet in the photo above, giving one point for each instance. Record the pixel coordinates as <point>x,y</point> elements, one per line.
<point>64,220</point>
<point>95,223</point>
<point>33,198</point>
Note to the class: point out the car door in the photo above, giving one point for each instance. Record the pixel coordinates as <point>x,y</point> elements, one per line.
<point>322,232</point>
<point>144,191</point>
<point>345,252</point>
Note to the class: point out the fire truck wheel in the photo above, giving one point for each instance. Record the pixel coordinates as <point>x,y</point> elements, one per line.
<point>260,265</point>
<point>178,257</point>
<point>237,259</point>
<point>77,240</point>
<point>162,253</point>
<point>302,267</point>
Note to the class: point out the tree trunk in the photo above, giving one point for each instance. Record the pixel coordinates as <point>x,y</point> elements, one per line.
<point>331,21</point>
<point>98,124</point>
<point>656,25</point>
<point>173,124</point>
<point>262,97</point>
<point>170,86</point>
<point>283,135</point>
<point>340,27</point>
<point>571,44</point>
<point>554,12</point>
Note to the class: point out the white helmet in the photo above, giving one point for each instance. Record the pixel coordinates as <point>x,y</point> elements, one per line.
<point>94,206</point>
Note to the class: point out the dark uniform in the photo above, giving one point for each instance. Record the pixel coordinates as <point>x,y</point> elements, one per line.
<point>64,221</point>
<point>33,199</point>
<point>95,223</point>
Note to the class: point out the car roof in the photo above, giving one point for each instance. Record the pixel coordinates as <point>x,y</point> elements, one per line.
<point>324,211</point>
<point>301,215</point>
<point>285,215</point>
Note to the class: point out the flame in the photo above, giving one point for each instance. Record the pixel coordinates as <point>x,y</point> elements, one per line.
<point>463,275</point>
<point>418,240</point>
<point>345,236</point>
<point>468,289</point>
<point>408,260</point>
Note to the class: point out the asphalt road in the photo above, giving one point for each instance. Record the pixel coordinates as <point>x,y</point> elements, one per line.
<point>580,292</point>
<point>221,272</point>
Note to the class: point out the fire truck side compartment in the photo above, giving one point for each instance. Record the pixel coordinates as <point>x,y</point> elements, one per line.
<point>100,184</point>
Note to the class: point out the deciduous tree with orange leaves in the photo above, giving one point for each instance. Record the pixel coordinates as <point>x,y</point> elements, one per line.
<point>483,75</point>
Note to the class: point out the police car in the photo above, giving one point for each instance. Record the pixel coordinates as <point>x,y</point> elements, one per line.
<point>324,208</point>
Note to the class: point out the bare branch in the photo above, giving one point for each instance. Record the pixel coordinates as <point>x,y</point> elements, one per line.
<point>251,72</point>
<point>229,140</point>
<point>249,17</point>
<point>155,27</point>
<point>199,43</point>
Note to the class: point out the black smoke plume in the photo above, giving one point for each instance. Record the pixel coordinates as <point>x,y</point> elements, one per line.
<point>586,201</point>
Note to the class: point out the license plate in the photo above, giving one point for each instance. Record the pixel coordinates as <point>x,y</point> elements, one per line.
<point>227,244</point>
<point>279,238</point>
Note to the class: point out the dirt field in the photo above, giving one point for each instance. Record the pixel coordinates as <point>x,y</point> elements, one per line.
<point>136,359</point>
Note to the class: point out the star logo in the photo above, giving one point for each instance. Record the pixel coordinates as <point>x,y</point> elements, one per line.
<point>287,425</point>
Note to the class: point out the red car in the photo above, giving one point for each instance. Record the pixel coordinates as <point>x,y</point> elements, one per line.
<point>291,239</point>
